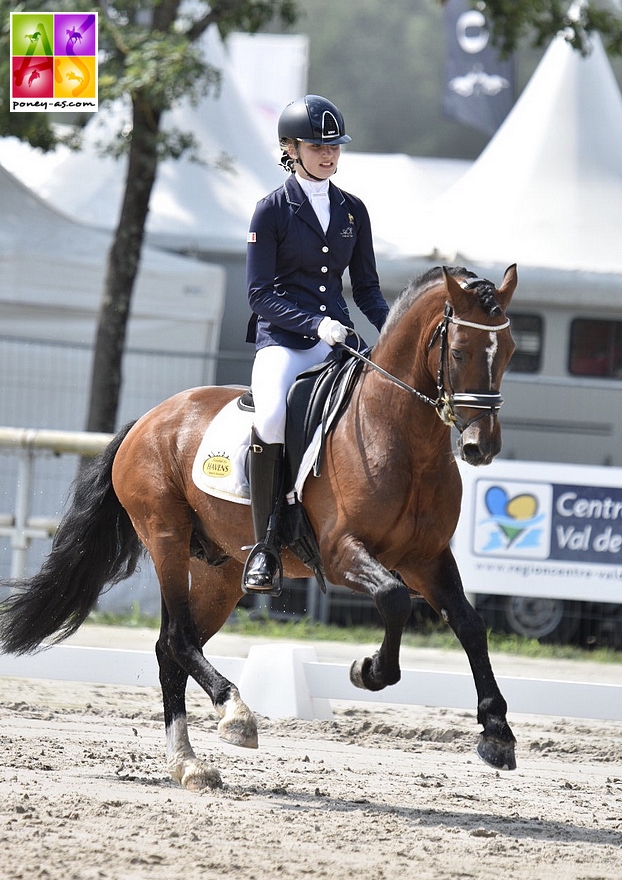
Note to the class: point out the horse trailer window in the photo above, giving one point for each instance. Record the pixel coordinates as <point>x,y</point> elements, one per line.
<point>596,348</point>
<point>527,335</point>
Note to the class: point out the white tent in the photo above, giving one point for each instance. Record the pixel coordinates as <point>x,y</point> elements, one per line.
<point>547,190</point>
<point>52,274</point>
<point>195,207</point>
<point>398,190</point>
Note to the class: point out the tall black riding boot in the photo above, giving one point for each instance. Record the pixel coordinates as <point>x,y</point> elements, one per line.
<point>265,473</point>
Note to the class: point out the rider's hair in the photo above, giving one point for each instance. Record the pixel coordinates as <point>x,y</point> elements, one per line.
<point>286,161</point>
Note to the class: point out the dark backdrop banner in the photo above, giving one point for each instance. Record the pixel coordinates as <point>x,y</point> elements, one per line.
<point>479,86</point>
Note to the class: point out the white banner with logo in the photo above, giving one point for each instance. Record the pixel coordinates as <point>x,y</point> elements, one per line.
<point>541,529</point>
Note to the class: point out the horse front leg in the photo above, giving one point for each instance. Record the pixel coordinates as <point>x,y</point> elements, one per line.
<point>497,742</point>
<point>363,573</point>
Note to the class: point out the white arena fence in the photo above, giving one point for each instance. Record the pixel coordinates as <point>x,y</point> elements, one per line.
<point>301,687</point>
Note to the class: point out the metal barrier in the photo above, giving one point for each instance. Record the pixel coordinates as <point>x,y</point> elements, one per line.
<point>20,526</point>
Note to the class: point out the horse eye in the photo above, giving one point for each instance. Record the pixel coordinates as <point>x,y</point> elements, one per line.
<point>456,354</point>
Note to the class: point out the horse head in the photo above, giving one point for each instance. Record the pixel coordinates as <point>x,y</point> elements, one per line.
<point>476,347</point>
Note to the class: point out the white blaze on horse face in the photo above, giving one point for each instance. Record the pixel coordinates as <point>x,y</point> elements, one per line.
<point>491,352</point>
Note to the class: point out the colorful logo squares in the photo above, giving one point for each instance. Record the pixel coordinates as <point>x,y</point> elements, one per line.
<point>54,61</point>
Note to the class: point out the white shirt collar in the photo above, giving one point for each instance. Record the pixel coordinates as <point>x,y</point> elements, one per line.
<point>313,187</point>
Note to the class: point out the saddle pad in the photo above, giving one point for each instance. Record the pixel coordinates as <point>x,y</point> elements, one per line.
<point>220,463</point>
<point>219,466</point>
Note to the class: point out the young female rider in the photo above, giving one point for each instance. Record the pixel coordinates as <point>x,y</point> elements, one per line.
<point>302,238</point>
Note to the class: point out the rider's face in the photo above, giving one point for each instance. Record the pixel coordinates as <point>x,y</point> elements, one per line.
<point>319,160</point>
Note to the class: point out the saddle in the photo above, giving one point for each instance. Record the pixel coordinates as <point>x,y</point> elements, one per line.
<point>314,403</point>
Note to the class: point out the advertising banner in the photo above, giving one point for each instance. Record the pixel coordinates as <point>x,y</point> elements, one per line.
<point>534,529</point>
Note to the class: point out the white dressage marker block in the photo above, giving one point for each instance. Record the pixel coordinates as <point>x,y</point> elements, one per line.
<point>274,683</point>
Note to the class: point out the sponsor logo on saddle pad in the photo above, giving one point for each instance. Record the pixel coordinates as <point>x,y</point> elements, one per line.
<point>223,473</point>
<point>218,466</point>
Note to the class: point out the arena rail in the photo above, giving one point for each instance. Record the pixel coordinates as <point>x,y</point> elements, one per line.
<point>20,526</point>
<point>301,687</point>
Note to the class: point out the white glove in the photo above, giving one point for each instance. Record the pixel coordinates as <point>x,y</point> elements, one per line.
<point>331,331</point>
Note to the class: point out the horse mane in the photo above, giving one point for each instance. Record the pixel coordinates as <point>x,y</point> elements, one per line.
<point>484,290</point>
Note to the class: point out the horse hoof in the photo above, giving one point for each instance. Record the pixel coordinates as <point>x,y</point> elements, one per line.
<point>200,776</point>
<point>356,673</point>
<point>499,755</point>
<point>361,676</point>
<point>239,732</point>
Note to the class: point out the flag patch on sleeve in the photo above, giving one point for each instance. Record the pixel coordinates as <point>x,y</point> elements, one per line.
<point>251,237</point>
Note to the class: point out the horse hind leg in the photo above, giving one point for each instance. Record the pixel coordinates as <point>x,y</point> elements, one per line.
<point>183,765</point>
<point>213,595</point>
<point>215,592</point>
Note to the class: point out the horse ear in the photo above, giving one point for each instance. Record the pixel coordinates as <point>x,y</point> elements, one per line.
<point>458,297</point>
<point>508,286</point>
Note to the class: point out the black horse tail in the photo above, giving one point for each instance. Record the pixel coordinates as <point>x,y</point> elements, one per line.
<point>95,545</point>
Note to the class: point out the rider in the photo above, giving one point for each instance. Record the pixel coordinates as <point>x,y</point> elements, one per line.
<point>302,238</point>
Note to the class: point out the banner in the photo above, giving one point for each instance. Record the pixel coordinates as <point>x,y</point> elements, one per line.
<point>480,87</point>
<point>543,530</point>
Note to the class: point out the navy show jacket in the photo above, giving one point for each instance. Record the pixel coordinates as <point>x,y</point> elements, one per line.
<point>294,270</point>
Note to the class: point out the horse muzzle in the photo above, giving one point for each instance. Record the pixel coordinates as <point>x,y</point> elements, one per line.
<point>480,440</point>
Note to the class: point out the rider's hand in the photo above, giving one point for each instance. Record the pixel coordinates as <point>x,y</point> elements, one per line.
<point>331,331</point>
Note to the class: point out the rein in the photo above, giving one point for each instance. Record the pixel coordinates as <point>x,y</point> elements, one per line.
<point>446,403</point>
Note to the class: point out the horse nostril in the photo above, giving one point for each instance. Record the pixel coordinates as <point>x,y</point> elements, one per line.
<point>473,454</point>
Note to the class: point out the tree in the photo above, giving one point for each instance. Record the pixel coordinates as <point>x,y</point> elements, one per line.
<point>538,21</point>
<point>149,57</point>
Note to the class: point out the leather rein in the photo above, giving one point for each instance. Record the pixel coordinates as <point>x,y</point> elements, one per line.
<point>446,403</point>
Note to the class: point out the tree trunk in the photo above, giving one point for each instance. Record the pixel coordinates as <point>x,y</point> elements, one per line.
<point>123,261</point>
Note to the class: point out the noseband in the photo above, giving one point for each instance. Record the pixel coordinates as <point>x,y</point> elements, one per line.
<point>446,403</point>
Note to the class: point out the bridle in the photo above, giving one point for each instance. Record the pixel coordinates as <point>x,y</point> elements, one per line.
<point>448,401</point>
<point>488,402</point>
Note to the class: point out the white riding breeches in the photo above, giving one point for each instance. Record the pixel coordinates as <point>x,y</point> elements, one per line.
<point>274,371</point>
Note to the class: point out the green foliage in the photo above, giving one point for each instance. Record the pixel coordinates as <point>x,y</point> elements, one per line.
<point>430,635</point>
<point>538,21</point>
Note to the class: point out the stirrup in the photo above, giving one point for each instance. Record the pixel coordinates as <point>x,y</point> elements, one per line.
<point>271,589</point>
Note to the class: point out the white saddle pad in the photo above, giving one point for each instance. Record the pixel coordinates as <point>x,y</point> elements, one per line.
<point>219,466</point>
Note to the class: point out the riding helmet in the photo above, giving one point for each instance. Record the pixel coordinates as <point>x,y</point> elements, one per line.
<point>313,119</point>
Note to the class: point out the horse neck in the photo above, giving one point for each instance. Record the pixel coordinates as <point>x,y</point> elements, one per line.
<point>403,350</point>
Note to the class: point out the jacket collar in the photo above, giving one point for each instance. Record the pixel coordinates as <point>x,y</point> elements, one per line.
<point>296,197</point>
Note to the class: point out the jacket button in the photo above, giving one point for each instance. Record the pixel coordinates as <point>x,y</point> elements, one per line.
<point>324,250</point>
<point>324,269</point>
<point>322,289</point>
<point>322,308</point>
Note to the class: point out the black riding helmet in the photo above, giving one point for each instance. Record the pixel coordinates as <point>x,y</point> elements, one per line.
<point>313,119</point>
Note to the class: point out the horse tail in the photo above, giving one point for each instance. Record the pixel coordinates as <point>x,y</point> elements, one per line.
<point>95,545</point>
